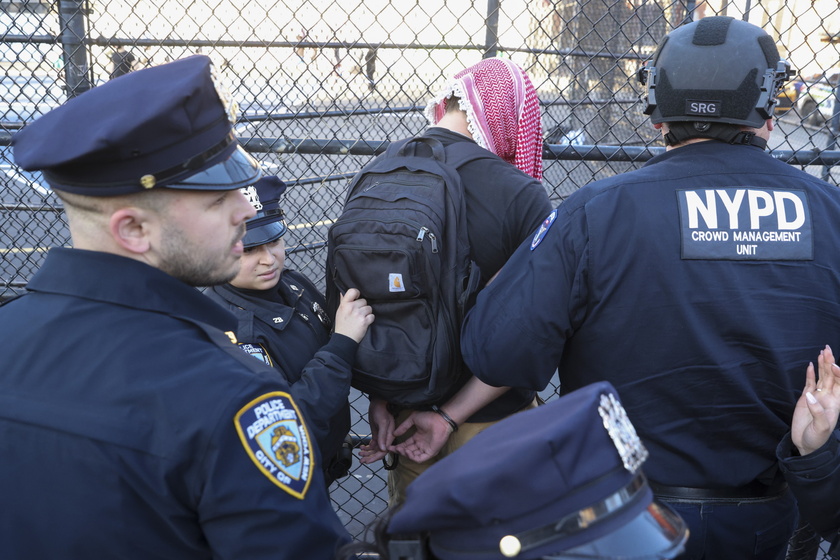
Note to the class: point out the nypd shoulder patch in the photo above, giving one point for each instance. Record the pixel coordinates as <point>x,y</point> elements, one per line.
<point>272,431</point>
<point>258,351</point>
<point>538,237</point>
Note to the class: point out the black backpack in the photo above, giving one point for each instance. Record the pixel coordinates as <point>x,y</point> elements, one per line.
<point>401,240</point>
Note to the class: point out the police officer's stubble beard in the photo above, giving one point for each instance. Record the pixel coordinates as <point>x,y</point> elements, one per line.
<point>191,263</point>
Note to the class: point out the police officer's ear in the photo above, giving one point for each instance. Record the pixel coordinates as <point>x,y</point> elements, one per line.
<point>134,229</point>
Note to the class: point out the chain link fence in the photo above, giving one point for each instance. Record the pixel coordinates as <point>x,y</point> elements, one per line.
<point>324,85</point>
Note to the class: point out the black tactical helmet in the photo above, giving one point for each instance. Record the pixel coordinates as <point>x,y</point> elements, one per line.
<point>715,70</point>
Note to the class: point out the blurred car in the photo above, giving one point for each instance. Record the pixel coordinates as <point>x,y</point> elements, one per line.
<point>561,135</point>
<point>788,96</point>
<point>815,101</point>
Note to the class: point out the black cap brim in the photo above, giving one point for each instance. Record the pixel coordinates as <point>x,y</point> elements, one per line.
<point>263,234</point>
<point>237,171</point>
<point>656,533</point>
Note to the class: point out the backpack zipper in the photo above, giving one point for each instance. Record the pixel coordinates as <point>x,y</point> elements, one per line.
<point>422,234</point>
<point>434,242</point>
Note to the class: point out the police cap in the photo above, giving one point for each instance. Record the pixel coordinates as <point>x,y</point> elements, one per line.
<point>165,126</point>
<point>561,480</point>
<point>269,224</point>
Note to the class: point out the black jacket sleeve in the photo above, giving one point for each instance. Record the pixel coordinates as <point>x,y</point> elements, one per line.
<point>815,481</point>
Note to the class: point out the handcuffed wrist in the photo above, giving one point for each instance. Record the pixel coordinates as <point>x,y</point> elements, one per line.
<point>445,416</point>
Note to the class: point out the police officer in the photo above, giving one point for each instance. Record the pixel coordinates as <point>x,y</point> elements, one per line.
<point>282,321</point>
<point>562,480</point>
<point>130,424</point>
<point>696,285</point>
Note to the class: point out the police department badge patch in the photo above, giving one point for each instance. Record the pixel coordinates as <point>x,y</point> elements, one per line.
<point>272,430</point>
<point>257,351</point>
<point>538,237</point>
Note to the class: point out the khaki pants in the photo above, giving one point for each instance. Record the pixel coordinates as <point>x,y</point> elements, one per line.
<point>407,470</point>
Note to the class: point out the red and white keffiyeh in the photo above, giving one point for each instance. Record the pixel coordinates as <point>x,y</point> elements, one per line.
<point>503,111</point>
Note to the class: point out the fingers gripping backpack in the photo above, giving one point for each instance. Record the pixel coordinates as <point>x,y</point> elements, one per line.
<point>401,240</point>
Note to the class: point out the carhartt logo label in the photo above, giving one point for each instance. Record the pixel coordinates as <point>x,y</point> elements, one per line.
<point>395,283</point>
<point>702,108</point>
<point>746,223</point>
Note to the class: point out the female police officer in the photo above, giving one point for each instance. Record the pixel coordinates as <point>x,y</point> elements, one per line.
<point>282,321</point>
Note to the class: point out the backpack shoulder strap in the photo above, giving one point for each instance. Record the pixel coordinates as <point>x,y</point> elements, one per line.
<point>461,153</point>
<point>412,147</point>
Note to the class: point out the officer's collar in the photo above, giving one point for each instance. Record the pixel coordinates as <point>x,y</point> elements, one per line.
<point>268,310</point>
<point>679,132</point>
<point>111,278</point>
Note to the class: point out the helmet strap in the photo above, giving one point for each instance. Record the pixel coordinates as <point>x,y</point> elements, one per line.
<point>679,132</point>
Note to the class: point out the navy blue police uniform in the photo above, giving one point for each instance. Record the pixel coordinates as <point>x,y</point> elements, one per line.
<point>286,326</point>
<point>126,410</point>
<point>131,426</point>
<point>698,286</point>
<point>566,482</point>
<point>293,318</point>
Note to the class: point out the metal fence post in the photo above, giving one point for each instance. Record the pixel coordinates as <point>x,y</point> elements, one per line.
<point>73,34</point>
<point>689,11</point>
<point>491,38</point>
